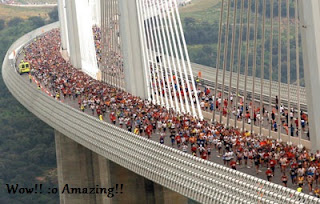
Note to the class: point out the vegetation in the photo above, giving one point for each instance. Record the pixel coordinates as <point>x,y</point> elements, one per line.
<point>27,150</point>
<point>201,26</point>
<point>9,12</point>
<point>36,1</point>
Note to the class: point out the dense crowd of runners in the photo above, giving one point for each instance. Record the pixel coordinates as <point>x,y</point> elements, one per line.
<point>201,138</point>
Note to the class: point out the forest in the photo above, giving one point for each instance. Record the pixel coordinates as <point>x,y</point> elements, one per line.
<point>27,150</point>
<point>202,37</point>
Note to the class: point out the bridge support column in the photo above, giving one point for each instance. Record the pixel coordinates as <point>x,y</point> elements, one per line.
<point>131,49</point>
<point>63,24</point>
<point>310,21</point>
<point>75,169</point>
<point>73,34</point>
<point>80,167</point>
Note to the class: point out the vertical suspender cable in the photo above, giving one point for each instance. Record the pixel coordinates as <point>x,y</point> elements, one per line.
<point>254,65</point>
<point>144,53</point>
<point>181,58</point>
<point>108,6</point>
<point>116,44</point>
<point>218,61</point>
<point>149,47</point>
<point>270,65</point>
<point>101,38</point>
<point>153,50</point>
<point>279,72</point>
<point>113,45</point>
<point>145,48</point>
<point>225,60</point>
<point>177,60</point>
<point>110,61</point>
<point>288,71</point>
<point>298,69</point>
<point>170,52</point>
<point>246,66</point>
<point>232,58</point>
<point>158,51</point>
<point>262,66</point>
<point>102,44</point>
<point>189,68</point>
<point>239,58</point>
<point>164,65</point>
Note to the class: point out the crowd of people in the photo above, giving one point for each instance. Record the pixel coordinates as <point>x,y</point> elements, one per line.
<point>203,139</point>
<point>179,88</point>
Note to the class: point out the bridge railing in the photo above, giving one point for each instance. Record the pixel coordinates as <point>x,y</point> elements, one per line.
<point>198,179</point>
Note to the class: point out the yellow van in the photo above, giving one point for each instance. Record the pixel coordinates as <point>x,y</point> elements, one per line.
<point>24,67</point>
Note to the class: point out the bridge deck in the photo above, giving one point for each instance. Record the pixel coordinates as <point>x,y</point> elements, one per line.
<point>195,178</point>
<point>209,77</point>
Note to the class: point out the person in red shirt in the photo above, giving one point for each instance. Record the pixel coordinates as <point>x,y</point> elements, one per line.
<point>149,131</point>
<point>194,150</point>
<point>204,155</point>
<point>269,174</point>
<point>272,164</point>
<point>178,139</point>
<point>113,118</point>
<point>233,164</point>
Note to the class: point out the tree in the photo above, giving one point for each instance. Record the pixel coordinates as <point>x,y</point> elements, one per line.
<point>37,21</point>
<point>14,21</point>
<point>2,24</point>
<point>54,16</point>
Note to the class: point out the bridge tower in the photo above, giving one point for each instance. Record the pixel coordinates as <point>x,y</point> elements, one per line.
<point>310,29</point>
<point>78,166</point>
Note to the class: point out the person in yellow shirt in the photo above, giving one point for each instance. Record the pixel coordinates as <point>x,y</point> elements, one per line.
<point>101,117</point>
<point>136,131</point>
<point>300,189</point>
<point>317,192</point>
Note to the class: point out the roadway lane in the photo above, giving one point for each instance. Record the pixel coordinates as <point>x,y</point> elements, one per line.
<point>156,137</point>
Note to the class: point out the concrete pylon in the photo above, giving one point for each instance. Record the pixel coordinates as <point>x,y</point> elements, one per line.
<point>73,34</point>
<point>310,29</point>
<point>131,49</point>
<point>82,168</point>
<point>63,24</point>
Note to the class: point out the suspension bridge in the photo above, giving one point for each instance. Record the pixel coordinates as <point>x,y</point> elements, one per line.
<point>141,58</point>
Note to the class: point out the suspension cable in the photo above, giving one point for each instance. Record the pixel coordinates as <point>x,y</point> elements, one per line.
<point>279,72</point>
<point>246,65</point>
<point>166,35</point>
<point>270,67</point>
<point>288,72</point>
<point>164,65</point>
<point>225,60</point>
<point>262,67</point>
<point>189,68</point>
<point>218,61</point>
<point>179,51</point>
<point>158,50</point>
<point>144,53</point>
<point>151,54</point>
<point>239,59</point>
<point>232,59</point>
<point>254,67</point>
<point>298,69</point>
<point>176,55</point>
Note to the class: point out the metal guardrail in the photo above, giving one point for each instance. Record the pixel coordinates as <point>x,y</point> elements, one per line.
<point>198,179</point>
<point>208,78</point>
<point>209,75</point>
